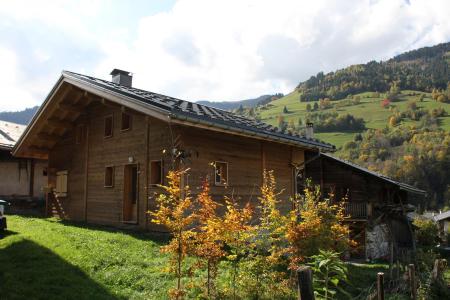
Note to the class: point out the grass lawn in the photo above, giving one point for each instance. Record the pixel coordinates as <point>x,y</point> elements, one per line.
<point>51,259</point>
<point>369,109</point>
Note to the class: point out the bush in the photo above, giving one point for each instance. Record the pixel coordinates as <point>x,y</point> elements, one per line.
<point>426,232</point>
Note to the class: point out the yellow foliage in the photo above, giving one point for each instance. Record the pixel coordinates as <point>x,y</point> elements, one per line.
<point>174,211</point>
<point>315,224</point>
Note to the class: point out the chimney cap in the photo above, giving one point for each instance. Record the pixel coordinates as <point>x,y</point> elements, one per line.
<point>119,71</point>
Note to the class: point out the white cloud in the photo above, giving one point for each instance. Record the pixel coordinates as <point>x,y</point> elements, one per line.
<point>13,96</point>
<point>205,49</point>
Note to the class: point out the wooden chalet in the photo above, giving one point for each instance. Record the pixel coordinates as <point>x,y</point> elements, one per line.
<point>22,179</point>
<point>376,204</point>
<point>109,145</point>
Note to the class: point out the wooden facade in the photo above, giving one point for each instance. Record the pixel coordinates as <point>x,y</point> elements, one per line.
<point>108,177</point>
<point>88,199</point>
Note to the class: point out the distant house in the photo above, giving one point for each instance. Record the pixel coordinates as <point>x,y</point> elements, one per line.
<point>20,178</point>
<point>377,205</point>
<point>443,221</point>
<point>105,144</point>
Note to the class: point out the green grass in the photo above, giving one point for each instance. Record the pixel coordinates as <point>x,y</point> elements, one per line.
<point>50,259</point>
<point>369,109</point>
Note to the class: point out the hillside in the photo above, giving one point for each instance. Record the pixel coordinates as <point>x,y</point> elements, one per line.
<point>422,69</point>
<point>369,109</point>
<point>19,117</point>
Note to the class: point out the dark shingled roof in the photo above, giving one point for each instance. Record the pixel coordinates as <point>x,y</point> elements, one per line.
<point>185,110</point>
<point>401,185</point>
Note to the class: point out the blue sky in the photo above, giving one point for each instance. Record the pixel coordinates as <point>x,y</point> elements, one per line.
<point>204,49</point>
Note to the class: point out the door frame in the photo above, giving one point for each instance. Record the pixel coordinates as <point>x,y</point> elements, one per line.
<point>126,177</point>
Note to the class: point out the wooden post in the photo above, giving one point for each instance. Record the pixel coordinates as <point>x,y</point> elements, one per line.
<point>391,258</point>
<point>86,171</point>
<point>31,186</point>
<point>412,281</point>
<point>380,286</point>
<point>305,283</point>
<point>147,166</point>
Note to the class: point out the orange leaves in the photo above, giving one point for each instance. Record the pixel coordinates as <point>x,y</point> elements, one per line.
<point>315,224</point>
<point>256,246</point>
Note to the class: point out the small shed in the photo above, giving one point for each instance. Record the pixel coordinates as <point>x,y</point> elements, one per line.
<point>443,221</point>
<point>21,178</point>
<point>376,204</point>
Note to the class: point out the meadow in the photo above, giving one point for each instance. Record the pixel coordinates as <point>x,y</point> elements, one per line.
<point>369,109</point>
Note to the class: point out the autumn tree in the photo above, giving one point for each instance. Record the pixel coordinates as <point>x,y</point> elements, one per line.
<point>315,223</point>
<point>174,210</point>
<point>237,233</point>
<point>264,262</point>
<point>209,239</point>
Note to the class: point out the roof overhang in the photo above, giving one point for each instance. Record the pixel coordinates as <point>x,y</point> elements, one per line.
<point>402,186</point>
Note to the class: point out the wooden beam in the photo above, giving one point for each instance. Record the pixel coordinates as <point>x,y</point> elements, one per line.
<point>31,186</point>
<point>38,150</point>
<point>51,138</point>
<point>70,108</point>
<point>59,124</point>
<point>147,166</point>
<point>86,172</point>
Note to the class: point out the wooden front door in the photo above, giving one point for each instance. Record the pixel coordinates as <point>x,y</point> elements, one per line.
<point>130,193</point>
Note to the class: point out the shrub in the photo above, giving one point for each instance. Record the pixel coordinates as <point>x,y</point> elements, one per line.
<point>426,232</point>
<point>315,223</point>
<point>329,270</point>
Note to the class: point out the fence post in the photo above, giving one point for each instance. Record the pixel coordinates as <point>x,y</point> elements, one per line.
<point>305,283</point>
<point>412,281</point>
<point>380,286</point>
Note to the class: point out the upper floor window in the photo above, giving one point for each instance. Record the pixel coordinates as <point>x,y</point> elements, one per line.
<point>156,172</point>
<point>109,176</point>
<point>126,122</point>
<point>220,173</point>
<point>108,126</point>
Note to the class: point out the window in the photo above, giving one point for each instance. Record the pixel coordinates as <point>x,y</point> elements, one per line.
<point>220,173</point>
<point>79,134</point>
<point>156,172</point>
<point>109,176</point>
<point>108,126</point>
<point>126,122</point>
<point>61,183</point>
<point>299,180</point>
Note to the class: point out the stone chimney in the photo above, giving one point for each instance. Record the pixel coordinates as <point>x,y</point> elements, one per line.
<point>122,77</point>
<point>309,131</point>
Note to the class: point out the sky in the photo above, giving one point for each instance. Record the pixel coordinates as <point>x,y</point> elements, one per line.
<point>204,49</point>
